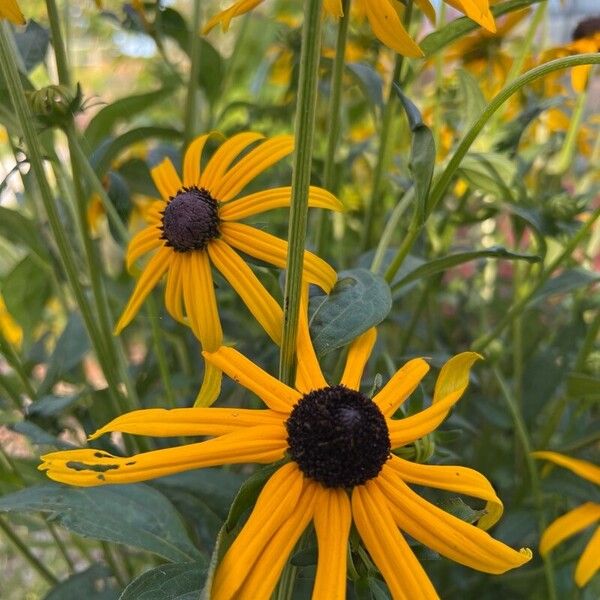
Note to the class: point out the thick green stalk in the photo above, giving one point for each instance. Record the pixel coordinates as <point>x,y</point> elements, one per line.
<point>304,131</point>
<point>191,102</point>
<point>334,122</point>
<point>445,179</point>
<point>60,52</point>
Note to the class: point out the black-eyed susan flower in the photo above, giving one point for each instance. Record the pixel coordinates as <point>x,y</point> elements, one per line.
<point>195,225</point>
<point>383,16</point>
<point>9,328</point>
<point>575,520</point>
<point>340,470</point>
<point>9,9</point>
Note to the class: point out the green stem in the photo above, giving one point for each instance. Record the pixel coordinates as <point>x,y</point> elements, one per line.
<point>60,53</point>
<point>191,101</point>
<point>523,435</point>
<point>7,386</point>
<point>588,342</point>
<point>15,362</point>
<point>443,181</point>
<point>112,563</point>
<point>304,130</point>
<point>26,553</point>
<point>61,545</point>
<point>334,122</point>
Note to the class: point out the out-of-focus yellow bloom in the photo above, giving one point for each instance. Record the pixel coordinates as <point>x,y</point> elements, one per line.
<point>11,330</point>
<point>9,9</point>
<point>575,520</point>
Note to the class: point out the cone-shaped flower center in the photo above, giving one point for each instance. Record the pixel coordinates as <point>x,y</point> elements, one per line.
<point>338,437</point>
<point>587,28</point>
<point>190,220</point>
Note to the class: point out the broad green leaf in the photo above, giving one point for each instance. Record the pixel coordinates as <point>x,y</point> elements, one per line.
<point>168,582</point>
<point>133,514</point>
<point>19,229</point>
<point>439,265</point>
<point>95,583</point>
<point>490,173</point>
<point>40,437</point>
<point>369,81</point>
<point>580,385</point>
<point>422,155</point>
<point>473,100</point>
<point>107,118</point>
<point>49,406</point>
<point>32,44</point>
<point>359,300</point>
<point>566,282</point>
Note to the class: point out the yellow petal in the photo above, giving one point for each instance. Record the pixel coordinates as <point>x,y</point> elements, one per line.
<point>454,376</point>
<point>273,250</point>
<point>579,77</point>
<point>332,520</point>
<point>387,26</point>
<point>261,304</point>
<point>276,503</point>
<point>227,152</point>
<point>162,422</point>
<point>454,479</point>
<point>192,159</point>
<point>10,10</point>
<point>275,394</point>
<point>401,386</point>
<point>568,525</point>
<point>142,242</point>
<point>584,469</point>
<point>89,467</point>
<point>174,289</point>
<point>211,386</point>
<point>477,10</point>
<point>333,8</point>
<point>150,276</point>
<point>10,329</point>
<point>260,202</point>
<point>166,179</point>
<point>199,299</point>
<point>225,16</point>
<point>589,562</point>
<point>453,538</point>
<point>250,166</point>
<point>427,9</point>
<point>358,355</point>
<point>401,570</point>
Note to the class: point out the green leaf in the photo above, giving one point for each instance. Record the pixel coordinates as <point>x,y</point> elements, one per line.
<point>422,155</point>
<point>22,230</point>
<point>120,110</point>
<point>473,100</point>
<point>168,582</point>
<point>32,44</point>
<point>439,265</point>
<point>369,81</point>
<point>95,583</point>
<point>489,172</point>
<point>567,281</point>
<point>40,437</point>
<point>134,514</point>
<point>359,300</point>
<point>582,386</point>
<point>50,406</point>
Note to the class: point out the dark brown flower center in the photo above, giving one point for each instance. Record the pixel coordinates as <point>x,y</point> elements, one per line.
<point>587,28</point>
<point>338,437</point>
<point>190,220</point>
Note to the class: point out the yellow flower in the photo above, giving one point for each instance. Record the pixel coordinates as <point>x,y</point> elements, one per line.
<point>340,471</point>
<point>383,17</point>
<point>9,9</point>
<point>195,225</point>
<point>575,520</point>
<point>10,329</point>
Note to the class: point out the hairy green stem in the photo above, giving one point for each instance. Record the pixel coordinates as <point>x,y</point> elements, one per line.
<point>191,101</point>
<point>304,130</point>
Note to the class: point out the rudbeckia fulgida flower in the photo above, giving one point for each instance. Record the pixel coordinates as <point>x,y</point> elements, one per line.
<point>383,16</point>
<point>9,9</point>
<point>340,471</point>
<point>195,225</point>
<point>575,520</point>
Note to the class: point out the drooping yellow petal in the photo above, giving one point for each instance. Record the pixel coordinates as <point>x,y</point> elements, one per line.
<point>589,562</point>
<point>389,550</point>
<point>427,9</point>
<point>89,467</point>
<point>142,242</point>
<point>261,304</point>
<point>276,503</point>
<point>333,8</point>
<point>150,276</point>
<point>454,479</point>
<point>166,179</point>
<point>10,329</point>
<point>332,520</point>
<point>477,10</point>
<point>454,376</point>
<point>9,9</point>
<point>211,386</point>
<point>224,17</point>
<point>192,160</point>
<point>275,394</point>
<point>250,166</point>
<point>387,26</point>
<point>568,525</point>
<point>199,299</point>
<point>583,468</point>
<point>358,355</point>
<point>174,289</point>
<point>162,422</point>
<point>263,201</point>
<point>261,581</point>
<point>450,536</point>
<point>273,250</point>
<point>401,386</point>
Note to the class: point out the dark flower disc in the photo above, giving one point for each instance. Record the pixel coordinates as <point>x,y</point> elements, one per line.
<point>587,28</point>
<point>338,437</point>
<point>190,220</point>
